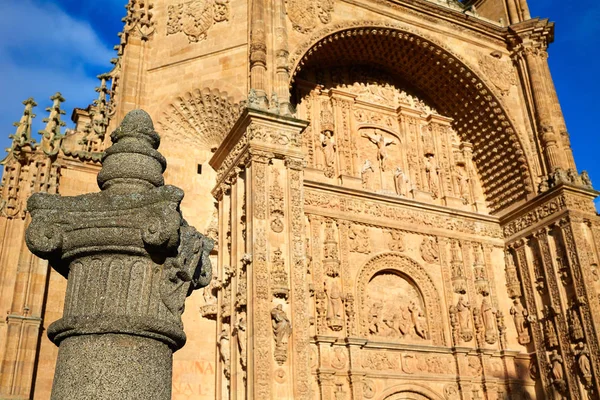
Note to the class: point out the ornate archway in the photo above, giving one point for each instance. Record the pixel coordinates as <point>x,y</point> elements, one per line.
<point>455,88</point>
<point>409,391</point>
<point>414,275</point>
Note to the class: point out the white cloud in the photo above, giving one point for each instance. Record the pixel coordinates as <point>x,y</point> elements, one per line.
<point>44,50</point>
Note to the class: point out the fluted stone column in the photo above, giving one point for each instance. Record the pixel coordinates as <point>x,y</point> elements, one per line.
<point>131,260</point>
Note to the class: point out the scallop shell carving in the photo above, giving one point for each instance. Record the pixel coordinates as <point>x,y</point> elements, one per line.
<point>200,118</point>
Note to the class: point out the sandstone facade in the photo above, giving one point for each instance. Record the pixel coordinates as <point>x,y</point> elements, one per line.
<point>397,211</point>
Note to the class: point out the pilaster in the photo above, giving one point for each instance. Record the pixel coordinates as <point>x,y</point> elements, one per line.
<point>267,147</point>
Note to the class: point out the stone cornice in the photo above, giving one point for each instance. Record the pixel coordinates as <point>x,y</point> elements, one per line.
<point>271,135</point>
<point>548,206</point>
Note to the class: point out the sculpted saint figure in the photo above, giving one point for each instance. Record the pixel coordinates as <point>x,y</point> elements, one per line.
<point>583,360</point>
<point>282,328</point>
<point>381,142</point>
<point>366,174</point>
<point>335,297</point>
<point>464,314</point>
<point>400,181</point>
<point>241,337</point>
<point>224,350</point>
<point>488,313</point>
<point>558,372</point>
<point>329,147</point>
<point>519,314</point>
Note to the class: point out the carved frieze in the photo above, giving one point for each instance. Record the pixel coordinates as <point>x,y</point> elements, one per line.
<point>330,201</point>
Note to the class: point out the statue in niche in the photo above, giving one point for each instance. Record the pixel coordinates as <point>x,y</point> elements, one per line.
<point>375,318</point>
<point>431,176</point>
<point>329,147</point>
<point>224,351</point>
<point>416,315</point>
<point>367,174</point>
<point>583,361</point>
<point>401,182</point>
<point>282,328</point>
<point>520,314</point>
<point>462,185</point>
<point>240,329</point>
<point>558,373</point>
<point>488,313</point>
<point>382,143</point>
<point>336,307</point>
<point>463,310</point>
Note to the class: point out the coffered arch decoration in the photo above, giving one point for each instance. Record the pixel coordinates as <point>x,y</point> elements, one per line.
<point>200,118</point>
<point>453,87</point>
<point>414,316</point>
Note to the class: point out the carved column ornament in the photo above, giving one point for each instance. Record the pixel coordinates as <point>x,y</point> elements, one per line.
<point>136,239</point>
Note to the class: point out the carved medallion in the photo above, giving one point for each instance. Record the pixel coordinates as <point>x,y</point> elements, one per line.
<point>305,14</point>
<point>499,72</point>
<point>194,18</point>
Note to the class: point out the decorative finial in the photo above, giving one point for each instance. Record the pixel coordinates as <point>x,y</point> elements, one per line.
<point>52,136</point>
<point>132,163</point>
<point>22,137</point>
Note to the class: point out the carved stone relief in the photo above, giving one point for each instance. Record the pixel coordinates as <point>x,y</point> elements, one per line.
<point>409,318</point>
<point>306,14</point>
<point>194,18</point>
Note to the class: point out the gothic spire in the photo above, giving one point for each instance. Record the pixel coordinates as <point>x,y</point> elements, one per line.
<point>51,135</point>
<point>22,136</point>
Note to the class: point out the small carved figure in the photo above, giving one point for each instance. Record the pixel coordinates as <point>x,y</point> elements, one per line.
<point>329,148</point>
<point>396,242</point>
<point>381,142</point>
<point>375,318</point>
<point>463,310</point>
<point>282,328</point>
<point>462,184</point>
<point>209,292</point>
<point>416,317</point>
<point>558,373</point>
<point>400,182</point>
<point>431,176</point>
<point>488,313</point>
<point>359,239</point>
<point>224,351</point>
<point>575,327</point>
<point>240,328</point>
<point>366,174</point>
<point>429,250</point>
<point>336,307</point>
<point>583,360</point>
<point>519,314</point>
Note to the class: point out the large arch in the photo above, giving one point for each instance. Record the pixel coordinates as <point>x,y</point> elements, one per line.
<point>418,392</point>
<point>455,89</point>
<point>399,263</point>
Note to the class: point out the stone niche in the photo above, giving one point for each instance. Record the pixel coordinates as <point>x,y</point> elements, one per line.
<point>394,309</point>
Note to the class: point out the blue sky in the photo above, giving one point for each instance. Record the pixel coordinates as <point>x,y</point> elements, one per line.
<point>48,46</point>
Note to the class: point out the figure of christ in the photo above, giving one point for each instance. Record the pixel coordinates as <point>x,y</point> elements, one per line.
<point>382,143</point>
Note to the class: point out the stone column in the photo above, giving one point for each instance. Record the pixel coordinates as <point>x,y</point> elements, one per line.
<point>131,260</point>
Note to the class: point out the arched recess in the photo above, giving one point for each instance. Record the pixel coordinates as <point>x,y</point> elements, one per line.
<point>455,89</point>
<point>404,266</point>
<point>200,118</point>
<point>409,391</point>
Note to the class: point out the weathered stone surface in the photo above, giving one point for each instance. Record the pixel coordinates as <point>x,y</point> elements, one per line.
<point>131,260</point>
